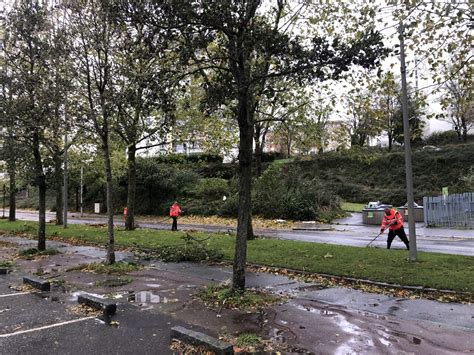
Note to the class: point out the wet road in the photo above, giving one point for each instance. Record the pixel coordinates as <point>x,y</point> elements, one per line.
<point>448,241</point>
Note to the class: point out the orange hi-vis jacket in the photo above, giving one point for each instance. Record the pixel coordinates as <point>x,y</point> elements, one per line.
<point>175,211</point>
<point>394,220</point>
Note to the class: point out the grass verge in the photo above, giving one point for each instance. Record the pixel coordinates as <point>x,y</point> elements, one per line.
<point>352,207</point>
<point>442,271</point>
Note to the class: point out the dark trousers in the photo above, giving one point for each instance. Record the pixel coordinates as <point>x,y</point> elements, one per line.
<point>400,232</point>
<point>174,227</point>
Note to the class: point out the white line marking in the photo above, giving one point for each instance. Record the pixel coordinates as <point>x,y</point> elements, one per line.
<point>15,294</point>
<point>45,327</point>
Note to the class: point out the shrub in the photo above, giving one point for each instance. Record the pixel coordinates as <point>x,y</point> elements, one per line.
<point>211,189</point>
<point>271,156</point>
<point>280,193</point>
<point>442,138</point>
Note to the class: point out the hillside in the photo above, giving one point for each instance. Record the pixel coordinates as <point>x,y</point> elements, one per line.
<point>370,174</point>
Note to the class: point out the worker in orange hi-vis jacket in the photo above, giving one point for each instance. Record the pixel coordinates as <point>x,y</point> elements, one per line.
<point>393,220</point>
<point>175,211</point>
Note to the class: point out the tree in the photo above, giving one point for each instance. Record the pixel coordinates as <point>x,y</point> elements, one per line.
<point>458,99</point>
<point>437,33</point>
<point>389,103</point>
<point>11,149</point>
<point>61,121</point>
<point>28,51</point>
<point>213,132</point>
<point>364,115</point>
<point>303,127</point>
<point>93,24</point>
<point>144,90</point>
<point>416,106</point>
<point>247,50</point>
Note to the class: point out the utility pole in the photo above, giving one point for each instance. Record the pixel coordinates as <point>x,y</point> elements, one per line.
<point>65,181</point>
<point>407,147</point>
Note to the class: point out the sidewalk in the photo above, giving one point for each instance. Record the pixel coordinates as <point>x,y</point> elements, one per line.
<point>354,221</point>
<point>309,318</point>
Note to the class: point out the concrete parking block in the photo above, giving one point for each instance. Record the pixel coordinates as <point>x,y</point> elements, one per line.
<point>200,339</point>
<point>108,307</point>
<point>36,282</point>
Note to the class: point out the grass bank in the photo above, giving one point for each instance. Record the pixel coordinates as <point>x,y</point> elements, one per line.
<point>352,206</point>
<point>440,271</point>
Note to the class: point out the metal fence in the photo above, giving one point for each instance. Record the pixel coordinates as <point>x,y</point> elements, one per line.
<point>450,211</point>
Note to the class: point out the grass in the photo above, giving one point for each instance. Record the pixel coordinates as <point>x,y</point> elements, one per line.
<point>442,271</point>
<point>352,206</point>
<point>6,264</point>
<point>248,339</point>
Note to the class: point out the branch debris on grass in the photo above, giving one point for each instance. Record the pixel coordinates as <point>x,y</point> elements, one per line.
<point>33,253</point>
<point>119,268</point>
<point>223,296</point>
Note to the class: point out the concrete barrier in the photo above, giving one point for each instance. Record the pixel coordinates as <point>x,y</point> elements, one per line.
<point>108,307</point>
<point>36,282</point>
<point>200,339</point>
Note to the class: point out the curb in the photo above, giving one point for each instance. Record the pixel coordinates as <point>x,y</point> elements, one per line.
<point>38,283</point>
<point>108,307</point>
<point>200,339</point>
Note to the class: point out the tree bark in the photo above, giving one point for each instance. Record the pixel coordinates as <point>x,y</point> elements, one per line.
<point>12,197</point>
<point>58,182</point>
<point>41,183</point>
<point>110,258</point>
<point>244,219</point>
<point>464,129</point>
<point>258,150</point>
<point>132,188</point>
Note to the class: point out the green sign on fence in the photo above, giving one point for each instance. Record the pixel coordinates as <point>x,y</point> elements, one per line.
<point>445,191</point>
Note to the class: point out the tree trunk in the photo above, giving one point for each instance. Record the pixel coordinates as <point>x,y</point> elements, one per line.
<point>12,203</point>
<point>244,220</point>
<point>58,182</point>
<point>132,188</point>
<point>41,183</point>
<point>110,258</point>
<point>464,129</point>
<point>258,152</point>
<point>390,142</point>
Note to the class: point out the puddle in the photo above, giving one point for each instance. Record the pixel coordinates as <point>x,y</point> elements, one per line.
<point>147,297</point>
<point>358,340</point>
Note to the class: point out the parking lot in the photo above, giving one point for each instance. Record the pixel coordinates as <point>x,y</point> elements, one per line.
<point>47,323</point>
